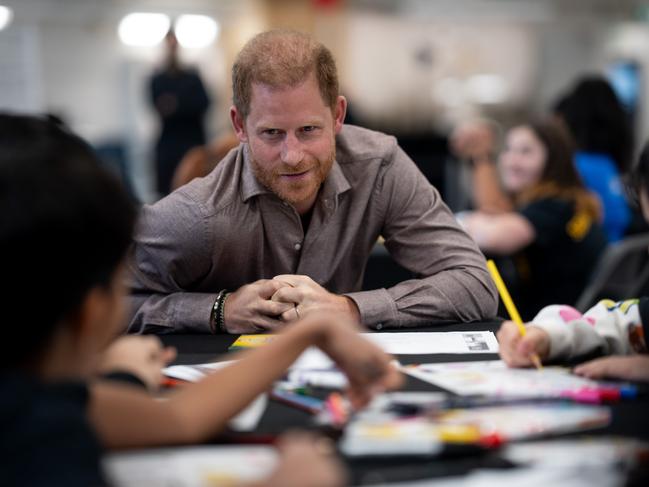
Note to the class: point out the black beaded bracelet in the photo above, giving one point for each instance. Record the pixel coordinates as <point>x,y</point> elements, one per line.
<point>217,320</point>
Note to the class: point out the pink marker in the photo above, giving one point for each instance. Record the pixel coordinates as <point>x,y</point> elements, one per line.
<point>590,396</point>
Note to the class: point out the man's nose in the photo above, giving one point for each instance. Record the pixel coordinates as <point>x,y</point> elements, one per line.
<point>292,153</point>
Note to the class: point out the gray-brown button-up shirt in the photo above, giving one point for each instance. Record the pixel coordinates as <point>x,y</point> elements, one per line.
<point>227,230</point>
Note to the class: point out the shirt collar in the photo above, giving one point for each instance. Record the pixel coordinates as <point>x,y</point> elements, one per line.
<point>249,185</point>
<point>336,183</point>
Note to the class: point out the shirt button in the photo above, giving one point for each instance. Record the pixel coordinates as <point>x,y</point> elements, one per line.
<point>297,246</point>
<point>379,326</point>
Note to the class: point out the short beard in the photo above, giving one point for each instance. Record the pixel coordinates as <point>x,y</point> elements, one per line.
<point>297,195</point>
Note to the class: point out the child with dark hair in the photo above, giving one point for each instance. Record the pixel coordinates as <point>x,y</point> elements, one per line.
<point>617,330</point>
<point>600,126</point>
<point>66,225</point>
<point>553,234</point>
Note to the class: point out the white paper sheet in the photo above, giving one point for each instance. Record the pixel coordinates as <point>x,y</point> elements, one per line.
<point>494,378</point>
<point>246,420</point>
<point>194,373</point>
<point>590,462</point>
<point>203,466</point>
<point>517,422</point>
<point>313,359</point>
<point>424,342</point>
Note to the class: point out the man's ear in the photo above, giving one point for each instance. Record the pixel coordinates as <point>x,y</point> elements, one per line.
<point>339,113</point>
<point>238,124</point>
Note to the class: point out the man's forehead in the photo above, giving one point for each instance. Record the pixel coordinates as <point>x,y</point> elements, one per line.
<point>272,105</point>
<point>280,119</point>
<point>280,83</point>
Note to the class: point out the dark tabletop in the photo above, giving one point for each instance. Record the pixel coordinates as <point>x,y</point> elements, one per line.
<point>630,418</point>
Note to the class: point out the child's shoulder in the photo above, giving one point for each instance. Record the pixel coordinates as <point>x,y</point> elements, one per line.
<point>44,427</point>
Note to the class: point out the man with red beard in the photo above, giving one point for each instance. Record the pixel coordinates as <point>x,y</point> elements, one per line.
<point>285,223</point>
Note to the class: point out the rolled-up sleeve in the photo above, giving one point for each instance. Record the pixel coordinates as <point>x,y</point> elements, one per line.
<point>422,235</point>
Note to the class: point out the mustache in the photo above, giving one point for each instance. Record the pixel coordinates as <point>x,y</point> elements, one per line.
<point>305,165</point>
<point>308,163</point>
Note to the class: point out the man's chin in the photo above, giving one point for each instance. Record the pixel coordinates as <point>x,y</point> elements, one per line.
<point>295,197</point>
<point>294,200</point>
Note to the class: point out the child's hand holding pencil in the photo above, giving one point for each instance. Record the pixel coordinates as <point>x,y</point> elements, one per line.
<point>517,350</point>
<point>518,341</point>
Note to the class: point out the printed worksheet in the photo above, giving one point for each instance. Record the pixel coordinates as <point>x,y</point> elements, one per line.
<point>494,378</point>
<point>430,342</point>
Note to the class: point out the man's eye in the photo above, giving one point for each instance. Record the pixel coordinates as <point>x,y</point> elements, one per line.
<point>271,132</point>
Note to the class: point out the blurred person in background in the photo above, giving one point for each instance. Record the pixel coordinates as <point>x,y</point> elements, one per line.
<point>600,127</point>
<point>199,161</point>
<point>180,100</point>
<point>615,331</point>
<point>553,233</point>
<point>475,146</point>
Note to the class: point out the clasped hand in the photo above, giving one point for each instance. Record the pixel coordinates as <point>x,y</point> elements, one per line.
<point>270,304</point>
<point>307,297</point>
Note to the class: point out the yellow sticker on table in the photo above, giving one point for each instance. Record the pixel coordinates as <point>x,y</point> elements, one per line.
<point>252,341</point>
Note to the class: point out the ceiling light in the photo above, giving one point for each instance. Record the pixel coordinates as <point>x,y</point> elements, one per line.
<point>6,14</point>
<point>143,29</point>
<point>195,31</point>
<point>487,89</point>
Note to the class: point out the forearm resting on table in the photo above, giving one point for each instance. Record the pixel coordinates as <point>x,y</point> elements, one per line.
<point>182,312</point>
<point>125,418</point>
<point>430,299</point>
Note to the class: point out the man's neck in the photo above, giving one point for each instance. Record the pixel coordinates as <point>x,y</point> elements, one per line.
<point>305,218</point>
<point>306,206</point>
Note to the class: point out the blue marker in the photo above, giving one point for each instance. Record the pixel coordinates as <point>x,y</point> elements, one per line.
<point>309,404</point>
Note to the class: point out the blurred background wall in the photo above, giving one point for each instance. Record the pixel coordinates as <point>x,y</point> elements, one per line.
<point>408,67</point>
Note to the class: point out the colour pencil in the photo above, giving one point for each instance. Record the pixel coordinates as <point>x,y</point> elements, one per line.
<point>335,405</point>
<point>510,306</point>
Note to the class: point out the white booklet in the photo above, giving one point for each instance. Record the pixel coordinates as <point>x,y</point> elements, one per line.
<point>202,466</point>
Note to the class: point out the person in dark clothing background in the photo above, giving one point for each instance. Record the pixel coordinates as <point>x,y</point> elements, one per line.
<point>552,235</point>
<point>600,127</point>
<point>181,101</point>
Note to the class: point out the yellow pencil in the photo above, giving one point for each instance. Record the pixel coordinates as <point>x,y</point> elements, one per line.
<point>510,306</point>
